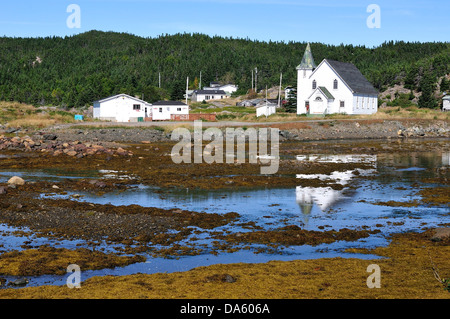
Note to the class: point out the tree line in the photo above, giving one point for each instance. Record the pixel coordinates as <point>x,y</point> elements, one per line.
<point>77,70</point>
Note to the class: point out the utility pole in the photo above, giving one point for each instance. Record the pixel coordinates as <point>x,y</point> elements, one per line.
<point>256,80</point>
<point>187,87</point>
<point>252,80</point>
<point>200,84</point>
<point>159,80</point>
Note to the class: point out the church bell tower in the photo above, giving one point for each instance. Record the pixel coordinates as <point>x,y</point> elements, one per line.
<point>304,86</point>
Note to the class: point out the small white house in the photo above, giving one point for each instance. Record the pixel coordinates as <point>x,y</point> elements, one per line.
<point>333,87</point>
<point>266,109</point>
<point>207,95</point>
<point>446,103</point>
<point>122,108</point>
<point>164,110</point>
<point>228,88</point>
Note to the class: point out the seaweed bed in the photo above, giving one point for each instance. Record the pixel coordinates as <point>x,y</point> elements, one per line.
<point>163,232</point>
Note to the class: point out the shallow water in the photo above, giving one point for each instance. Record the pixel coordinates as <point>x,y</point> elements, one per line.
<point>392,177</point>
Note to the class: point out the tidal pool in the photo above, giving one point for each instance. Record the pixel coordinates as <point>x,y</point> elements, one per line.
<point>355,205</point>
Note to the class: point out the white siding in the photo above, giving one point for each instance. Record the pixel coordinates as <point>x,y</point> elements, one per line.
<point>164,112</point>
<point>446,105</point>
<point>325,76</point>
<point>206,97</point>
<point>121,108</point>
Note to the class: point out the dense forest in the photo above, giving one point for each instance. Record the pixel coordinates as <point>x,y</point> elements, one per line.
<point>75,71</point>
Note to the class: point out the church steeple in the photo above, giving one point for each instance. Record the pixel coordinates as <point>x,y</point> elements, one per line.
<point>308,60</point>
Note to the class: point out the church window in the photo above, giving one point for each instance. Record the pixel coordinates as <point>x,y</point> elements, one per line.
<point>314,85</point>
<point>335,85</point>
<point>342,104</point>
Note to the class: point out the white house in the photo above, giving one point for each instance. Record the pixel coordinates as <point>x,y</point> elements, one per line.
<point>121,108</point>
<point>287,92</point>
<point>228,88</point>
<point>266,109</point>
<point>446,103</point>
<point>164,110</point>
<point>207,95</point>
<point>333,87</point>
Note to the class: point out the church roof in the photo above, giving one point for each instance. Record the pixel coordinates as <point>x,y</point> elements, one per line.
<point>326,92</point>
<point>353,77</point>
<point>308,60</point>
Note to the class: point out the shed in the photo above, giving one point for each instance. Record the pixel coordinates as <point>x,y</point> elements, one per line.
<point>446,103</point>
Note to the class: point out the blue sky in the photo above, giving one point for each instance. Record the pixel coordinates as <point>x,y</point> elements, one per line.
<point>325,21</point>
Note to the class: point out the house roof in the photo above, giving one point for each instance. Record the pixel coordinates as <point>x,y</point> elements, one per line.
<point>210,92</point>
<point>169,103</point>
<point>308,60</point>
<point>121,95</point>
<point>350,74</point>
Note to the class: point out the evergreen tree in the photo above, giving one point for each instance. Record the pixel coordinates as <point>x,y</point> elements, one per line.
<point>445,85</point>
<point>291,104</point>
<point>178,91</point>
<point>427,87</point>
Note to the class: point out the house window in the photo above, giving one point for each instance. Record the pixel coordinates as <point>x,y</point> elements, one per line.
<point>357,102</point>
<point>178,109</point>
<point>136,107</point>
<point>319,99</point>
<point>207,97</point>
<point>342,104</point>
<point>160,110</point>
<point>335,85</point>
<point>212,97</point>
<point>314,85</point>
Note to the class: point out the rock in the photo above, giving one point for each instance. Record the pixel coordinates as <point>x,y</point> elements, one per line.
<point>12,130</point>
<point>441,233</point>
<point>121,151</point>
<point>49,137</point>
<point>55,187</point>
<point>19,282</point>
<point>72,153</point>
<point>3,190</point>
<point>16,180</point>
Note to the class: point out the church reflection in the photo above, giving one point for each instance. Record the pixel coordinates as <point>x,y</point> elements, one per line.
<point>326,197</point>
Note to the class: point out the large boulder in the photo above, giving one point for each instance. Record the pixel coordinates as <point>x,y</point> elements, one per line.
<point>16,180</point>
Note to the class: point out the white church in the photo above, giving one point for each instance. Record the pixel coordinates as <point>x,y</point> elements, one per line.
<point>333,87</point>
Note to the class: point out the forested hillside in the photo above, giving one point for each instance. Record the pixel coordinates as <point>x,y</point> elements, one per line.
<point>75,71</point>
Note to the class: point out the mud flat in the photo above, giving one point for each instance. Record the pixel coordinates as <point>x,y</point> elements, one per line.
<point>351,203</point>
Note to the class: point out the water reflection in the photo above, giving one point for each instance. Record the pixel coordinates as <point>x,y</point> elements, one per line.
<point>323,197</point>
<point>446,159</point>
<point>326,197</point>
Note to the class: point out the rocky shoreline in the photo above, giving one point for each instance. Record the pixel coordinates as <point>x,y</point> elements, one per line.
<point>289,131</point>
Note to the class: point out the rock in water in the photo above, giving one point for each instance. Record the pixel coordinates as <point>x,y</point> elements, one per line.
<point>16,180</point>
